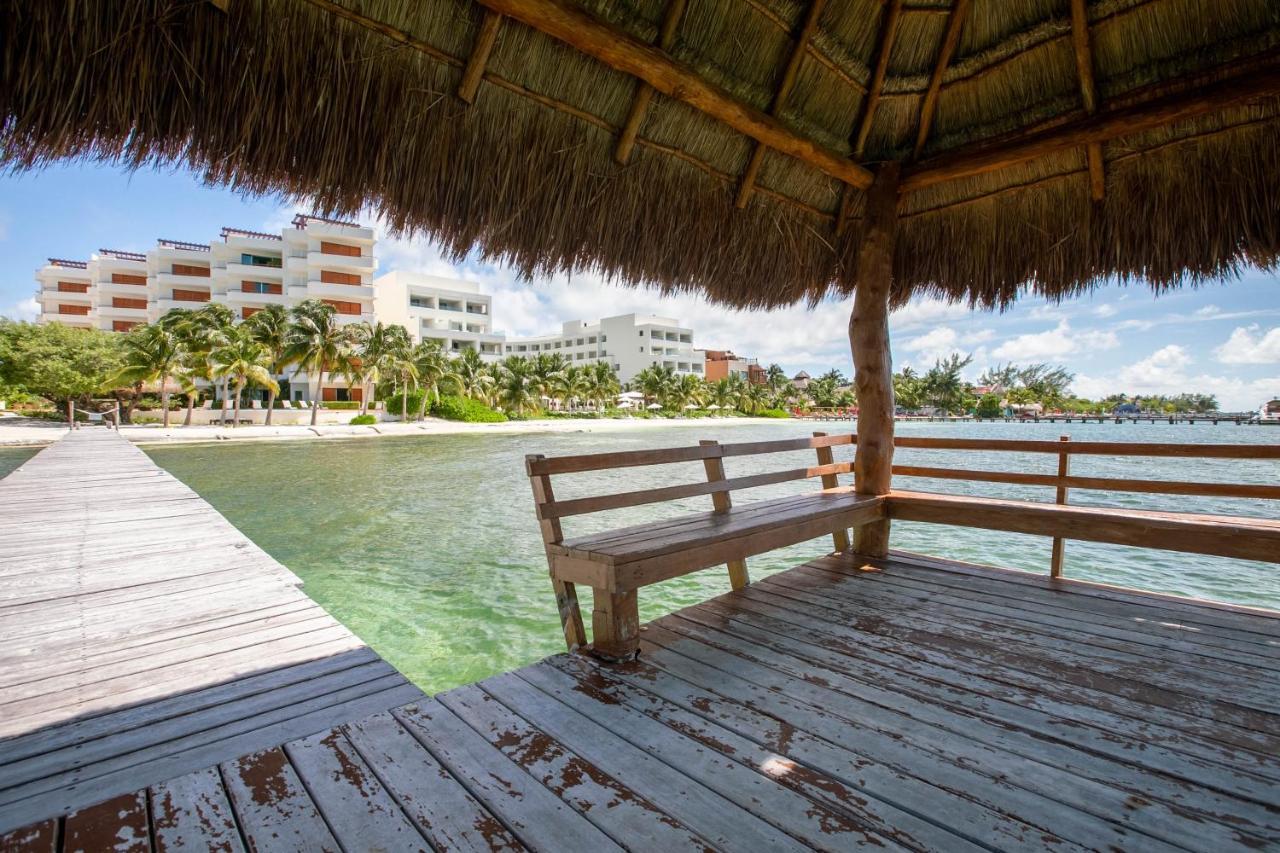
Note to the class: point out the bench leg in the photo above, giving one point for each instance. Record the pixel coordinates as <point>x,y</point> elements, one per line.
<point>738,577</point>
<point>575,635</point>
<point>872,539</point>
<point>615,623</point>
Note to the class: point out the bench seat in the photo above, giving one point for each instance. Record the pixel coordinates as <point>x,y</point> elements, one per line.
<point>1225,536</point>
<point>631,557</point>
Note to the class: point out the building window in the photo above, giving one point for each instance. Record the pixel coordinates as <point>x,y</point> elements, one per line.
<point>604,339</point>
<point>190,295</point>
<point>339,249</point>
<point>580,342</point>
<point>259,260</point>
<point>261,287</point>
<point>122,302</point>
<point>351,309</point>
<point>334,277</point>
<point>246,313</point>
<point>419,302</point>
<point>126,278</point>
<point>641,333</point>
<point>190,269</point>
<point>591,340</point>
<point>79,310</point>
<point>123,325</point>
<point>72,287</point>
<point>558,344</point>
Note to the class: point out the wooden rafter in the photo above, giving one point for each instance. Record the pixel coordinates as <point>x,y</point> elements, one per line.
<point>1103,126</point>
<point>955,23</point>
<point>858,142</point>
<point>623,52</point>
<point>474,72</point>
<point>644,92</point>
<point>789,74</point>
<point>1088,92</point>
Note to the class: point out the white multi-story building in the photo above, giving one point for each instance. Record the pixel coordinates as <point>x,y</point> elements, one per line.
<point>629,342</point>
<point>451,311</point>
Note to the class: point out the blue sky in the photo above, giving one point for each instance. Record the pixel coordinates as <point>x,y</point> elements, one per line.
<point>1223,338</point>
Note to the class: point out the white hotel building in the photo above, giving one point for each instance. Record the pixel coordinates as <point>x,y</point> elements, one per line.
<point>630,342</point>
<point>333,261</point>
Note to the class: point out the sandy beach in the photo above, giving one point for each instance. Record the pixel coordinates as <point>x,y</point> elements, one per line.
<point>29,432</point>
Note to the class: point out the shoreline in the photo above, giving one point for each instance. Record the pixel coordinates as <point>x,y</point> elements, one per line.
<point>44,433</point>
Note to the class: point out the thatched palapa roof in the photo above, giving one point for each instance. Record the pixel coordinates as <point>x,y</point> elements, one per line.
<point>725,145</point>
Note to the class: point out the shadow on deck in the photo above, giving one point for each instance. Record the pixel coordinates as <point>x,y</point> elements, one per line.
<point>915,704</point>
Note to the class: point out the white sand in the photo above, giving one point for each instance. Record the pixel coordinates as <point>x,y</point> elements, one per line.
<point>24,431</point>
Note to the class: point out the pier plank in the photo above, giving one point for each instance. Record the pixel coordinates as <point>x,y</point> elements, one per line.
<point>192,814</point>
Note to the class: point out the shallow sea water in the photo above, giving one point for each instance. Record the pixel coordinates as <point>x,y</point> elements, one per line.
<point>428,548</point>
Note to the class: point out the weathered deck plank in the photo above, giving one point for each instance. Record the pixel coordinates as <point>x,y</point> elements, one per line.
<point>921,706</point>
<point>145,638</point>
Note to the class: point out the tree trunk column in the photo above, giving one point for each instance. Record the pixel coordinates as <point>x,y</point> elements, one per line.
<point>872,362</point>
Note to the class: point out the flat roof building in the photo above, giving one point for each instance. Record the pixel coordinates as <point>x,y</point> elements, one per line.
<point>629,342</point>
<point>451,311</point>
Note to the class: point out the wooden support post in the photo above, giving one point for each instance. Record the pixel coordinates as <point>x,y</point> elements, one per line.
<point>71,414</point>
<point>738,577</point>
<point>474,72</point>
<point>615,626</point>
<point>872,362</point>
<point>1059,544</point>
<point>1088,93</point>
<point>644,92</point>
<point>839,538</point>
<point>575,635</point>
<point>789,74</point>
<point>951,40</point>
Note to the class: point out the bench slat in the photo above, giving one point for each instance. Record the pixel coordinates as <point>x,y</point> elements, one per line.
<point>669,455</point>
<point>1223,536</point>
<point>600,503</point>
<point>1110,484</point>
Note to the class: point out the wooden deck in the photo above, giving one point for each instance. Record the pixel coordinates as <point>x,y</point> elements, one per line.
<point>166,686</point>
<point>145,637</point>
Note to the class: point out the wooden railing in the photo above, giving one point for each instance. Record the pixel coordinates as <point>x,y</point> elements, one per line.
<point>1063,481</point>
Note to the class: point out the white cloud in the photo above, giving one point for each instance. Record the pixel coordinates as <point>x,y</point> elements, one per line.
<point>1208,311</point>
<point>1055,343</point>
<point>1249,345</point>
<point>1166,371</point>
<point>27,309</point>
<point>1106,309</point>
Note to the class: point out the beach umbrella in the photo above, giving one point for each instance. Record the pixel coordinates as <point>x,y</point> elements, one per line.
<point>631,395</point>
<point>691,406</point>
<point>713,408</point>
<point>625,404</point>
<point>653,406</point>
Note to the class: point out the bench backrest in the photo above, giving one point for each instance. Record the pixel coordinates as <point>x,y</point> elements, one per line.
<point>711,453</point>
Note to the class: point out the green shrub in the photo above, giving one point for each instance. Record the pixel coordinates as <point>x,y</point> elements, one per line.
<point>393,402</point>
<point>345,405</point>
<point>989,406</point>
<point>465,409</point>
<point>363,420</point>
<point>773,413</point>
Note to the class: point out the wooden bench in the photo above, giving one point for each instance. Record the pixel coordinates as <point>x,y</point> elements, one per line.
<point>616,563</point>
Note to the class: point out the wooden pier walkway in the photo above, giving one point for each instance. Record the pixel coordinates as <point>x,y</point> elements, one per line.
<point>145,637</point>
<point>908,703</point>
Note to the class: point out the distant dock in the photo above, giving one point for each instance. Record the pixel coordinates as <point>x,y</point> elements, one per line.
<point>1229,418</point>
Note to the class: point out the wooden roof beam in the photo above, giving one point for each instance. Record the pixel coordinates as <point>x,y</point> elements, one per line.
<point>789,74</point>
<point>858,142</point>
<point>474,72</point>
<point>1136,118</point>
<point>644,92</point>
<point>1088,93</point>
<point>955,23</point>
<point>623,52</point>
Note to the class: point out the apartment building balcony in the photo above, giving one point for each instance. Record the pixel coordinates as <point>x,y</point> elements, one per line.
<point>315,261</point>
<point>107,287</point>
<point>324,230</point>
<point>253,272</point>
<point>80,321</point>
<point>169,280</point>
<point>51,296</point>
<point>314,289</point>
<point>350,319</point>
<point>113,312</point>
<point>253,299</point>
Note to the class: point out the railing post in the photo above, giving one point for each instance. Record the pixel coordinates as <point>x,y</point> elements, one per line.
<point>722,502</point>
<point>839,538</point>
<point>115,418</point>
<point>1059,544</point>
<point>575,634</point>
<point>71,415</point>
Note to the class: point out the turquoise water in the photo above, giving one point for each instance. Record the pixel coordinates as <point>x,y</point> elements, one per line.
<point>428,549</point>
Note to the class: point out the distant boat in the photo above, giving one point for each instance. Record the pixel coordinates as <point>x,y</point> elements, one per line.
<point>1270,413</point>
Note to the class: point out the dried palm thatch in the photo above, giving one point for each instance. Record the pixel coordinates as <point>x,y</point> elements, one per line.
<point>355,103</point>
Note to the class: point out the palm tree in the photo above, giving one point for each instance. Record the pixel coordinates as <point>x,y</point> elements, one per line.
<point>152,353</point>
<point>435,370</point>
<point>602,383</point>
<point>316,342</point>
<point>755,397</point>
<point>688,390</point>
<point>547,371</point>
<point>203,331</point>
<point>243,361</point>
<point>656,382</point>
<point>404,366</point>
<point>270,327</point>
<point>518,386</point>
<point>379,347</point>
<point>475,379</point>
